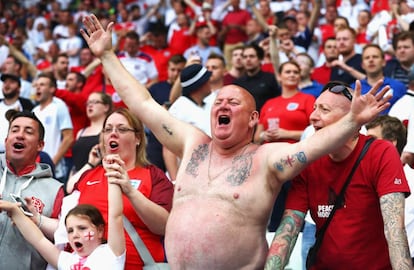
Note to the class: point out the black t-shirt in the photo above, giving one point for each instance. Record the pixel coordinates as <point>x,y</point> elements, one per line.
<point>262,86</point>
<point>339,74</point>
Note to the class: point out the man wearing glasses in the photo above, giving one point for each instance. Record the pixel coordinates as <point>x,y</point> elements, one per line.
<point>367,231</point>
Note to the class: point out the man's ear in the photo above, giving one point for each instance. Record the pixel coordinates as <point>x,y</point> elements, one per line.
<point>254,119</point>
<point>40,146</point>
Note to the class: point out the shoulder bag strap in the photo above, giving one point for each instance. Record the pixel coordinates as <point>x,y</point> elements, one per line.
<point>138,243</point>
<point>339,200</point>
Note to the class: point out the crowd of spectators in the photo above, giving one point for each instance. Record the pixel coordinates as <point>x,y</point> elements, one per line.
<point>263,43</point>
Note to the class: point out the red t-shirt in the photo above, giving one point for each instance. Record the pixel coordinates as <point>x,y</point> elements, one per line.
<point>152,183</point>
<point>355,237</point>
<point>321,74</point>
<point>293,112</point>
<point>76,103</point>
<point>161,58</point>
<point>96,83</point>
<point>181,40</point>
<point>327,31</point>
<point>268,67</point>
<point>239,17</point>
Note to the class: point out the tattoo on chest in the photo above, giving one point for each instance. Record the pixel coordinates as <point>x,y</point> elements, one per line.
<point>289,161</point>
<point>198,156</point>
<point>240,169</point>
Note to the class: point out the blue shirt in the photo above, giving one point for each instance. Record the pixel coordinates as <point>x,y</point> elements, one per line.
<point>398,90</point>
<point>314,89</point>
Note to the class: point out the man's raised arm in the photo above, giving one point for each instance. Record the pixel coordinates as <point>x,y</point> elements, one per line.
<point>169,131</point>
<point>289,161</point>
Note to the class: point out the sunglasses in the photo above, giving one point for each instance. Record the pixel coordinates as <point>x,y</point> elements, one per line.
<point>340,89</point>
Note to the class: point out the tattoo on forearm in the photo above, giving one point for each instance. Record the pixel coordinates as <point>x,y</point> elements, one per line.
<point>167,129</point>
<point>392,208</point>
<point>197,157</point>
<point>284,240</point>
<point>289,161</point>
<point>240,169</point>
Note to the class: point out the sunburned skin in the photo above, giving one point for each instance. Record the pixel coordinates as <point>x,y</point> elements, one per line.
<point>219,214</point>
<point>224,206</point>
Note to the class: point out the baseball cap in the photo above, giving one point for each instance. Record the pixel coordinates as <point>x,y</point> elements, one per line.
<point>193,77</point>
<point>13,77</point>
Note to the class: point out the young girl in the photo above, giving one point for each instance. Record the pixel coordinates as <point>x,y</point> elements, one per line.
<point>85,227</point>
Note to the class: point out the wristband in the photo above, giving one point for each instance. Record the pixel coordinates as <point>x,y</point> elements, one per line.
<point>90,164</point>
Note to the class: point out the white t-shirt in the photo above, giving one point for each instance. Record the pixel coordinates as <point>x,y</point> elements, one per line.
<point>101,258</point>
<point>409,147</point>
<point>141,66</point>
<point>402,108</point>
<point>55,118</point>
<point>72,43</point>
<point>186,110</point>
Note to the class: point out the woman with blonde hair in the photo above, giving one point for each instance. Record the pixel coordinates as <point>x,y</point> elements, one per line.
<point>147,192</point>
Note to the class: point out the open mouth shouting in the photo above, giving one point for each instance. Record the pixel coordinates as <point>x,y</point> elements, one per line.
<point>18,146</point>
<point>224,120</point>
<point>113,145</point>
<point>78,246</point>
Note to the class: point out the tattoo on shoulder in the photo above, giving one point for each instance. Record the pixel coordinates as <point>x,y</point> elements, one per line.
<point>167,129</point>
<point>240,169</point>
<point>289,161</point>
<point>198,155</point>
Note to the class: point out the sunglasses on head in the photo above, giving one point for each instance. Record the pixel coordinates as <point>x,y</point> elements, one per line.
<point>340,89</point>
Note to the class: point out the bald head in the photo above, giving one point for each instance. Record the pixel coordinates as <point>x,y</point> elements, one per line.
<point>240,93</point>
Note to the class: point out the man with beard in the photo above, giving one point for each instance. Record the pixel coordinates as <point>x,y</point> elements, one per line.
<point>13,65</point>
<point>11,100</point>
<point>322,73</point>
<point>202,48</point>
<point>347,68</point>
<point>61,69</point>
<point>262,85</point>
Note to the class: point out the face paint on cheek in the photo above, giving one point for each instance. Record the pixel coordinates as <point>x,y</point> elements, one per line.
<point>89,235</point>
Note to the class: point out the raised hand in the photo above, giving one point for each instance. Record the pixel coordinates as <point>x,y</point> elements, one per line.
<point>273,31</point>
<point>98,39</point>
<point>365,108</point>
<point>95,155</point>
<point>116,172</point>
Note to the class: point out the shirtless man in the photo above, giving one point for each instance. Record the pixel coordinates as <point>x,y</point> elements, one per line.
<point>225,186</point>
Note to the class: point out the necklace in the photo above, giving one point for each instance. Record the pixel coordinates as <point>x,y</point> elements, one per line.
<point>210,179</point>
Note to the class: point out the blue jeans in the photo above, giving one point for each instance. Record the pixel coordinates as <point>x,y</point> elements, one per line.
<point>308,239</point>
